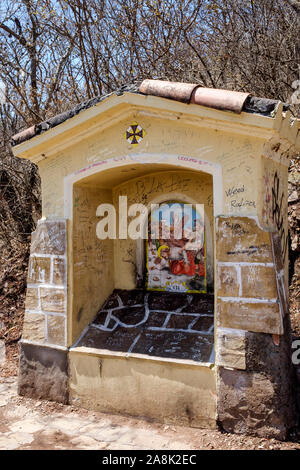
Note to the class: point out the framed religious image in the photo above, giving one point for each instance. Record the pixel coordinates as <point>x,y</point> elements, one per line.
<point>175,248</point>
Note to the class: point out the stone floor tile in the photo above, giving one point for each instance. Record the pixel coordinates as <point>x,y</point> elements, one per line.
<point>22,437</point>
<point>66,425</point>
<point>26,426</point>
<point>8,443</point>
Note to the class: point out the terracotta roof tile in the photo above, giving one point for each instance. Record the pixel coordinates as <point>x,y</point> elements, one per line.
<point>225,100</point>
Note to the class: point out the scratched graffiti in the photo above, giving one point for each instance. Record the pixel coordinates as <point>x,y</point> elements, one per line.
<point>143,189</point>
<point>163,324</point>
<point>92,258</point>
<point>237,202</point>
<point>278,211</point>
<point>235,190</point>
<point>157,185</point>
<point>242,203</point>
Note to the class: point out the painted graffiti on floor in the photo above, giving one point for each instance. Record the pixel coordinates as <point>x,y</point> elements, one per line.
<point>163,324</point>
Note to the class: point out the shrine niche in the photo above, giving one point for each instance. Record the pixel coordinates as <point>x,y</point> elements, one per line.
<point>190,323</point>
<point>175,249</point>
<point>171,318</point>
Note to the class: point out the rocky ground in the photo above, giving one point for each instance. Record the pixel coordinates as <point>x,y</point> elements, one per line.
<point>39,425</point>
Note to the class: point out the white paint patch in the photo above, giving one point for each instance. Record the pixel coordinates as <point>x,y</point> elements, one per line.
<point>244,263</point>
<point>239,279</point>
<point>249,300</point>
<point>231,332</point>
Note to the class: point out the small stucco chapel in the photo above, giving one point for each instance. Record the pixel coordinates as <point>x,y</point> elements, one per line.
<point>191,331</point>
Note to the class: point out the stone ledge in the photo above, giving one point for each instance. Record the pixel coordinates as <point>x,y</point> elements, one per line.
<point>231,348</point>
<point>105,353</point>
<point>39,270</point>
<point>260,317</point>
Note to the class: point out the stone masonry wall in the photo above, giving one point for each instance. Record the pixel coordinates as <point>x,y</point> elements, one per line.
<point>247,290</point>
<point>255,378</point>
<point>45,308</point>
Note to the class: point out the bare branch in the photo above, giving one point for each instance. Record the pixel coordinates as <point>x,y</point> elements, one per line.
<point>295,5</point>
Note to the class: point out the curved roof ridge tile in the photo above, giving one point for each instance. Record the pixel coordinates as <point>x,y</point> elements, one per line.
<point>189,93</point>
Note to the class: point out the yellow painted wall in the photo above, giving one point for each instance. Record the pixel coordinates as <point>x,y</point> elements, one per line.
<point>183,186</point>
<point>93,267</point>
<point>165,390</point>
<point>238,155</point>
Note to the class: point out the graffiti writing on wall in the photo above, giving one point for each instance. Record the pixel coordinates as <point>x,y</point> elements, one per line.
<point>278,214</point>
<point>234,192</point>
<point>267,209</point>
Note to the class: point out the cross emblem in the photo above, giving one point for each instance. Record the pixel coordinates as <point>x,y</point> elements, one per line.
<point>134,134</point>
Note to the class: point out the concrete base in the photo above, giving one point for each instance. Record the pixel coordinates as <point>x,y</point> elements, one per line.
<point>167,390</point>
<point>43,372</point>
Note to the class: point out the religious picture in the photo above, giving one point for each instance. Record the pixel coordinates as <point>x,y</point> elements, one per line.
<point>176,249</point>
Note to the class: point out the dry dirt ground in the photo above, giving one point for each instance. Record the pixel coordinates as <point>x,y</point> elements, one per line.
<point>41,425</point>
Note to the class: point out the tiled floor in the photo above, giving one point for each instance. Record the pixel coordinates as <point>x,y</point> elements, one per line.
<point>160,324</point>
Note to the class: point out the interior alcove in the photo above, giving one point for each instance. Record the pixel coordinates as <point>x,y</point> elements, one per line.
<point>110,273</point>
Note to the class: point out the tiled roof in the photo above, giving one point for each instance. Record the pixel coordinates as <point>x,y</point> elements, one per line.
<point>189,93</point>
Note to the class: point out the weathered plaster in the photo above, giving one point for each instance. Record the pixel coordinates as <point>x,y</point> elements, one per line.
<point>92,264</point>
<point>177,392</point>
